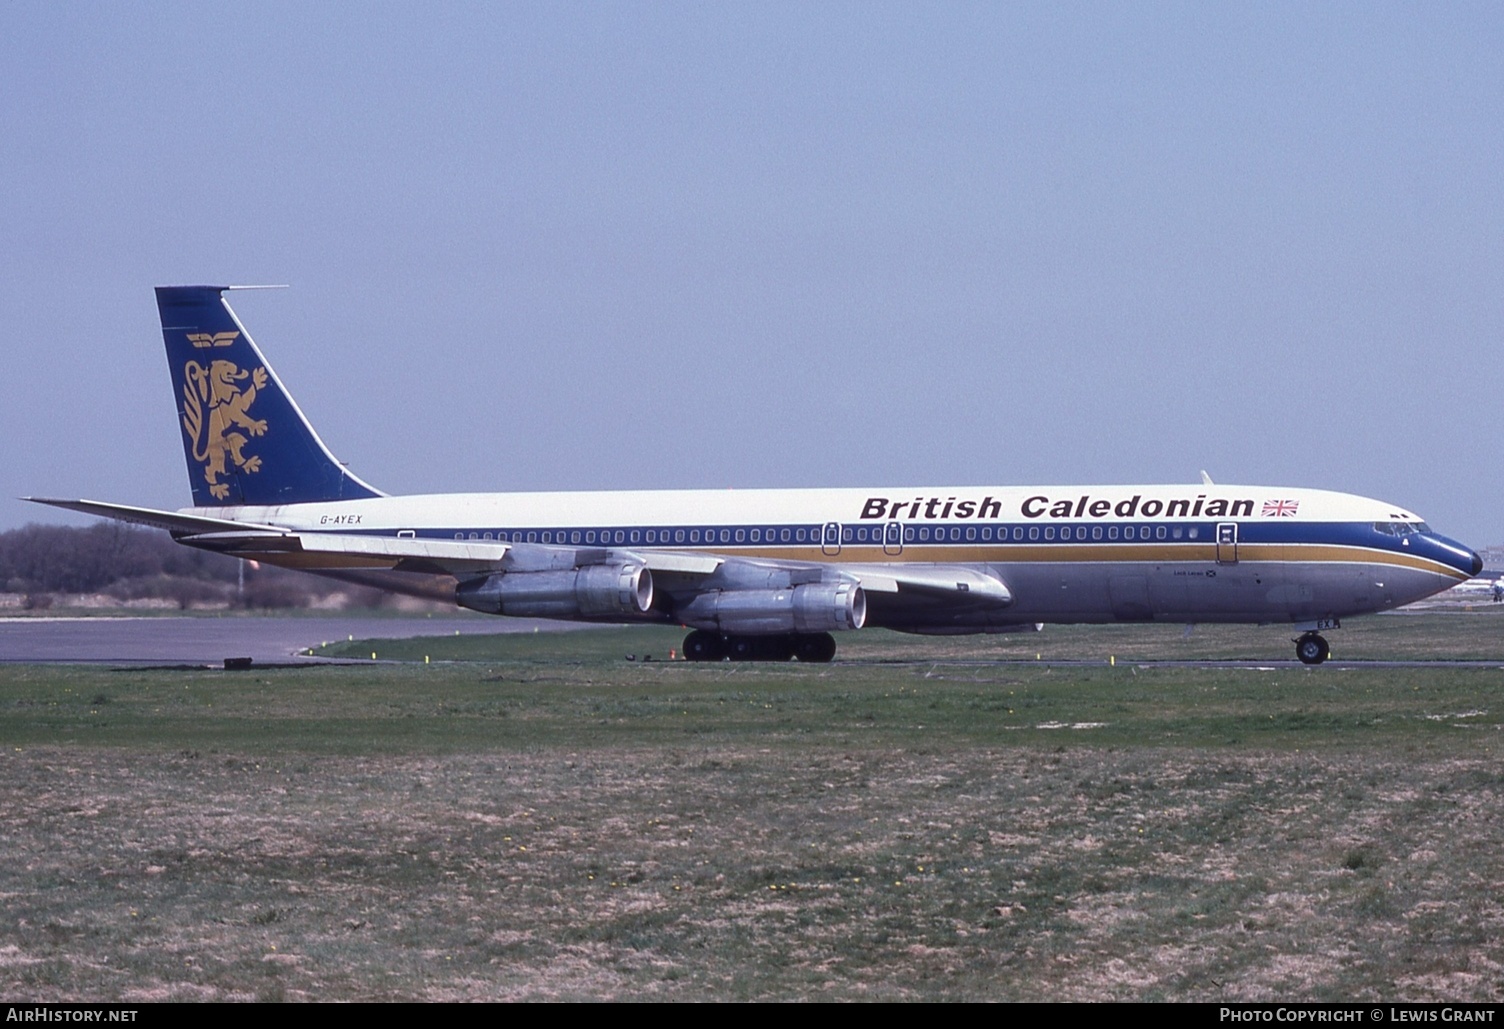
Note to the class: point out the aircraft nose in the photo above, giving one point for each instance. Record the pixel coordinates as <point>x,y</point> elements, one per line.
<point>1477,565</point>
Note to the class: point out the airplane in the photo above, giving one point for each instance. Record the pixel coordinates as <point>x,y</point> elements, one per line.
<point>772,574</point>
<point>1485,584</point>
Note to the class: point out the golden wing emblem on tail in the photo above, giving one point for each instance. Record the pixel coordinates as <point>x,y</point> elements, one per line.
<point>205,340</point>
<point>216,441</point>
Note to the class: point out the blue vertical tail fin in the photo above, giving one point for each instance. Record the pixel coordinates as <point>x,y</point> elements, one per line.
<point>245,439</point>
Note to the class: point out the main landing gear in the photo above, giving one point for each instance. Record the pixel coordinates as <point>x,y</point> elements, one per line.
<point>1312,649</point>
<point>704,645</point>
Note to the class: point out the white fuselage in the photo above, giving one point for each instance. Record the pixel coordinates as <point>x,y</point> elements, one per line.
<point>1065,553</point>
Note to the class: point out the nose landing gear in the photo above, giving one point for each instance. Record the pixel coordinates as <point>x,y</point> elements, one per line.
<point>1312,649</point>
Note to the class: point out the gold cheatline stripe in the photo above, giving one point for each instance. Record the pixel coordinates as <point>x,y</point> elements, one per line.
<point>951,554</point>
<point>1089,553</point>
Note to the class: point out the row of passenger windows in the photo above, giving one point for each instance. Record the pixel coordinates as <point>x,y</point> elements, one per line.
<point>849,534</point>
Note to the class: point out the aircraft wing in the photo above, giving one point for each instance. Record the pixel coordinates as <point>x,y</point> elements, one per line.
<point>321,550</point>
<point>683,572</point>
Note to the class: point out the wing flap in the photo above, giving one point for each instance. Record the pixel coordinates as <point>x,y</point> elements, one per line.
<point>953,582</point>
<point>687,564</point>
<point>313,550</point>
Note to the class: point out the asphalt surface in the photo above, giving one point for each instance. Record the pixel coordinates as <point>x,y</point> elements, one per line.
<point>160,640</point>
<point>209,641</point>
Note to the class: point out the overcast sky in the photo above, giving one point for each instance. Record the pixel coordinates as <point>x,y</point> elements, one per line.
<point>602,246</point>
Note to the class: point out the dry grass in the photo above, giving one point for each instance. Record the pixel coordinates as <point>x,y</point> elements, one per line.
<point>743,873</point>
<point>527,830</point>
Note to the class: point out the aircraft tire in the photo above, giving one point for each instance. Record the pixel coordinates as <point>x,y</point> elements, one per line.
<point>817,648</point>
<point>741,648</point>
<point>1312,649</point>
<point>701,645</point>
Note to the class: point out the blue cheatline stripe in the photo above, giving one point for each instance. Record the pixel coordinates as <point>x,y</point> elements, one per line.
<point>992,542</point>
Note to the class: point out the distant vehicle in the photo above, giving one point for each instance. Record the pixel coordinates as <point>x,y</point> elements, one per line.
<point>1482,585</point>
<point>772,574</point>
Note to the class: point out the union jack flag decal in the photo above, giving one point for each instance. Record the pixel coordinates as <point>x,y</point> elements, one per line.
<point>1280,508</point>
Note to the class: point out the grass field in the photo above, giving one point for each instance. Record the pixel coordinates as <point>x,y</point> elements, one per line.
<point>536,817</point>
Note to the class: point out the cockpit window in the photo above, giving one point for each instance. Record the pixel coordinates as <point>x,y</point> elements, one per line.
<point>1400,528</point>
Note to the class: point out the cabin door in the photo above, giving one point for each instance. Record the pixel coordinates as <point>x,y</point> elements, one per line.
<point>1227,543</point>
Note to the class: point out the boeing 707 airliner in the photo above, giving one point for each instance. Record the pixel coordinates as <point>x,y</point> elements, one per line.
<point>773,574</point>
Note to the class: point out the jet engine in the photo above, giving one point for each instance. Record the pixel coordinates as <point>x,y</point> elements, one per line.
<point>814,607</point>
<point>593,591</point>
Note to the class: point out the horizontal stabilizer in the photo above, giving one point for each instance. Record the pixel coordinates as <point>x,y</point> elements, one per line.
<point>172,521</point>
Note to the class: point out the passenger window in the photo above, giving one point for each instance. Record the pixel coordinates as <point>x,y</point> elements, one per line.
<point>971,533</point>
<point>1049,532</point>
<point>620,536</point>
<point>741,535</point>
<point>1033,532</point>
<point>1159,532</point>
<point>1096,532</point>
<point>1177,532</point>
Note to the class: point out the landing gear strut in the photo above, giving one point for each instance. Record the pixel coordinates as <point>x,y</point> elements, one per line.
<point>1312,649</point>
<point>704,645</point>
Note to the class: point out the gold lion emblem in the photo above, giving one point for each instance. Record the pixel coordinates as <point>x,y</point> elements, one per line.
<point>215,439</point>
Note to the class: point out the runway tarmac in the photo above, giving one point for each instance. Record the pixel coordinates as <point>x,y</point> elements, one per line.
<point>209,641</point>
<point>166,640</point>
